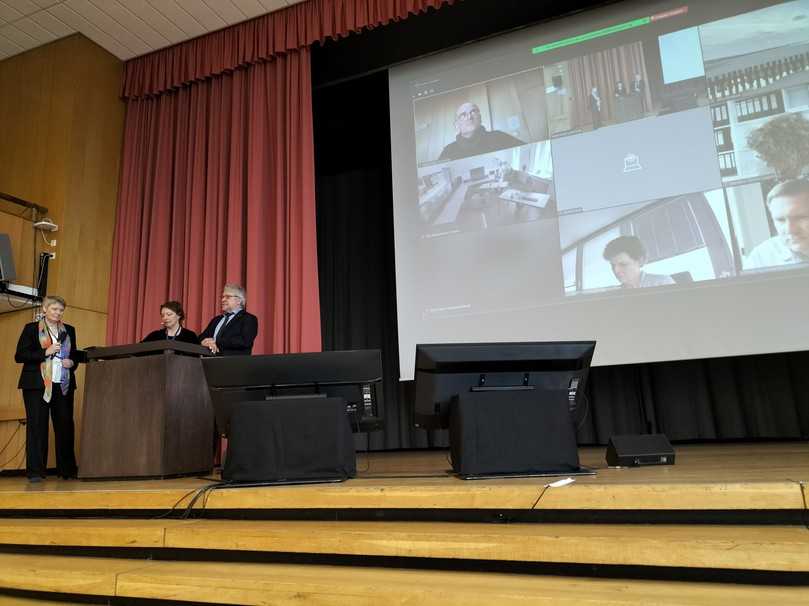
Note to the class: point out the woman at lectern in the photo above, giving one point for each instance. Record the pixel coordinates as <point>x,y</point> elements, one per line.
<point>47,350</point>
<point>171,317</point>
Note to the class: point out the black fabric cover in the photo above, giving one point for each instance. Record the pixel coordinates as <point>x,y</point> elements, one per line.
<point>503,432</point>
<point>290,439</point>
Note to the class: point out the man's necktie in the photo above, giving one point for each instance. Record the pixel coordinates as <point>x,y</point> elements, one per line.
<point>228,315</point>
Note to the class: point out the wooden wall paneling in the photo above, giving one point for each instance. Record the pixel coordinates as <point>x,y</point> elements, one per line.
<point>88,217</point>
<point>62,122</point>
<point>25,108</point>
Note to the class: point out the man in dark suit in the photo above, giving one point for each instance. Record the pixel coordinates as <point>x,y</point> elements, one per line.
<point>233,331</point>
<point>638,86</point>
<point>595,107</point>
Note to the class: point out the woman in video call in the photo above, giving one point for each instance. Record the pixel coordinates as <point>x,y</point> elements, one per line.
<point>171,317</point>
<point>627,256</point>
<point>48,352</point>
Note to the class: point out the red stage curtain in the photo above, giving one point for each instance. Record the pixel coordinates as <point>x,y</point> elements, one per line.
<point>217,177</point>
<point>260,39</point>
<point>603,70</point>
<point>217,185</point>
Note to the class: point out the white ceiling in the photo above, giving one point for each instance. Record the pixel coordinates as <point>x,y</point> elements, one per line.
<point>126,28</point>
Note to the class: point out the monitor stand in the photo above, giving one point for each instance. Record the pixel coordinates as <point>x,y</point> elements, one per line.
<point>282,482</point>
<point>581,471</point>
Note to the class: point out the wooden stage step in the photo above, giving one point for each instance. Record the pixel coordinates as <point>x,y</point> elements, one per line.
<point>762,548</point>
<point>283,584</point>
<point>16,600</point>
<point>746,477</point>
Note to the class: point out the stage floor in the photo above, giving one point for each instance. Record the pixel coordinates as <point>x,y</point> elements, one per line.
<point>719,477</point>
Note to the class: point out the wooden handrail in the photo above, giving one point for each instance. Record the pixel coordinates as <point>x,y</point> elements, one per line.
<point>20,202</point>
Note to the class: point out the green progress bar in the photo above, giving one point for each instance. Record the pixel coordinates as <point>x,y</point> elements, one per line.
<point>599,33</point>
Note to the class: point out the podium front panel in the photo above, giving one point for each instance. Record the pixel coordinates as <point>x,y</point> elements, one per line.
<point>145,416</point>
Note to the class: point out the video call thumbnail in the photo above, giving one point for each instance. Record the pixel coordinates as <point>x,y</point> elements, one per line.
<point>644,159</point>
<point>625,83</point>
<point>758,87</point>
<point>465,275</point>
<point>770,223</point>
<point>718,234</point>
<point>489,116</point>
<point>479,192</point>
<point>675,240</point>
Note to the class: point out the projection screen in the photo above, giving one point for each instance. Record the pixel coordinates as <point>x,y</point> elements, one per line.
<point>635,174</point>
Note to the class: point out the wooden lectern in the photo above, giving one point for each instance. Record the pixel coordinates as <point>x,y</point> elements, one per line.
<point>147,412</point>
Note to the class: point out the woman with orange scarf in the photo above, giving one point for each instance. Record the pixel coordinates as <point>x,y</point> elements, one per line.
<point>47,350</point>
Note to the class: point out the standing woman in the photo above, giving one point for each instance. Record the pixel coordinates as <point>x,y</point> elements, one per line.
<point>48,352</point>
<point>171,317</point>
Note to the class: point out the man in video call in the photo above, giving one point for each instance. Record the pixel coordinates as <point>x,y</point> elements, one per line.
<point>788,204</point>
<point>627,256</point>
<point>472,138</point>
<point>637,87</point>
<point>595,107</point>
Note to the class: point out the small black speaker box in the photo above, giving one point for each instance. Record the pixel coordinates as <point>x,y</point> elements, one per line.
<point>636,450</point>
<point>7,273</point>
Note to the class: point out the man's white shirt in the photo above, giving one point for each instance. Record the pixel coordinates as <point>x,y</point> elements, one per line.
<point>771,253</point>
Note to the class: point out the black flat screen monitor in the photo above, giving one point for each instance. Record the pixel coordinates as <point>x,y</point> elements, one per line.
<point>449,369</point>
<point>7,273</point>
<point>351,375</point>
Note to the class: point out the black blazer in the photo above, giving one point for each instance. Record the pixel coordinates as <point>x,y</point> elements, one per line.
<point>236,337</point>
<point>186,336</point>
<point>31,354</point>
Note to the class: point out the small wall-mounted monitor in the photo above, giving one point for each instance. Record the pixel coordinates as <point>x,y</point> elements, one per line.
<point>7,273</point>
<point>447,370</point>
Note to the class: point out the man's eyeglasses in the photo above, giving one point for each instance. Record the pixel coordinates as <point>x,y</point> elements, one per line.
<point>468,115</point>
<point>230,296</point>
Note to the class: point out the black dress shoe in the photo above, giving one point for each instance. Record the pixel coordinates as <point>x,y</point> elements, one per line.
<point>35,479</point>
